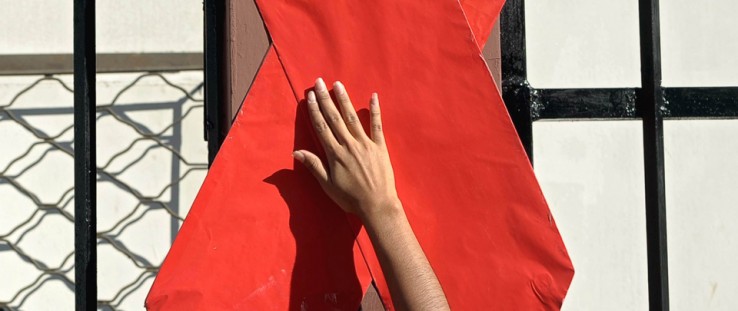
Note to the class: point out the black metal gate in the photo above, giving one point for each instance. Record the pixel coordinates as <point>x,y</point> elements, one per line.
<point>651,103</point>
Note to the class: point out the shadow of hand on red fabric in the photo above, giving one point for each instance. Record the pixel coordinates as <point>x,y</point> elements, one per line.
<point>323,276</point>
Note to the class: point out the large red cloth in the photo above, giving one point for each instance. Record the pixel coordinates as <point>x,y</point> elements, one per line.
<point>261,234</point>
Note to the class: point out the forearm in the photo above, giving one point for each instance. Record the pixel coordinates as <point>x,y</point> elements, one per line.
<point>412,282</point>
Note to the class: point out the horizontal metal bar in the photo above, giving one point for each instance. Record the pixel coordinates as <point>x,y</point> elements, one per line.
<point>583,103</point>
<point>702,102</point>
<point>683,102</point>
<point>37,64</point>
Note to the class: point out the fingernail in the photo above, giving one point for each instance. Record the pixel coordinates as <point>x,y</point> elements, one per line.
<point>298,155</point>
<point>311,97</point>
<point>338,87</point>
<point>320,85</point>
<point>375,99</point>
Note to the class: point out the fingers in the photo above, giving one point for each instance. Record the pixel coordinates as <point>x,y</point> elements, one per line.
<point>330,112</point>
<point>376,120</point>
<point>313,164</point>
<point>321,127</point>
<point>347,110</point>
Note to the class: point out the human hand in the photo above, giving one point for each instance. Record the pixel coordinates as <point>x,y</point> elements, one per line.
<point>359,176</point>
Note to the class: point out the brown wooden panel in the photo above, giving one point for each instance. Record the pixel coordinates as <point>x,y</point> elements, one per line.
<point>371,301</point>
<point>246,44</point>
<point>492,54</point>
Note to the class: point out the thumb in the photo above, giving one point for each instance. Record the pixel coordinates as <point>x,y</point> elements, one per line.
<point>313,164</point>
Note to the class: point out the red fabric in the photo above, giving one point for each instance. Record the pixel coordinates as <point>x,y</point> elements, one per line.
<point>261,234</point>
<point>481,16</point>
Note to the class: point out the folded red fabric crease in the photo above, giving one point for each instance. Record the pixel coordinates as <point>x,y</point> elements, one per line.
<point>261,235</point>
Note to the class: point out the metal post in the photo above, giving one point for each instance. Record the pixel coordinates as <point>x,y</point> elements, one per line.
<point>214,16</point>
<point>515,88</point>
<point>85,170</point>
<point>650,103</point>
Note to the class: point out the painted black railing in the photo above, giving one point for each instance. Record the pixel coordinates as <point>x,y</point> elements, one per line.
<point>651,103</point>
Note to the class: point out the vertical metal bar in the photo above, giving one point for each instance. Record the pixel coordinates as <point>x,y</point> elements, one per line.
<point>515,88</point>
<point>649,104</point>
<point>176,167</point>
<point>214,23</point>
<point>85,170</point>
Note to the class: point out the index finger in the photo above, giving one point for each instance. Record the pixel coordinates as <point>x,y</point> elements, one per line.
<point>319,125</point>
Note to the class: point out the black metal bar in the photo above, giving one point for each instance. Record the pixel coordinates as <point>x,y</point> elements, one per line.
<point>85,170</point>
<point>609,104</point>
<point>650,105</point>
<point>701,102</point>
<point>583,103</point>
<point>214,23</point>
<point>680,102</point>
<point>516,91</point>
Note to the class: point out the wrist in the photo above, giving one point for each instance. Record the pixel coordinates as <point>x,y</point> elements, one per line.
<point>378,213</point>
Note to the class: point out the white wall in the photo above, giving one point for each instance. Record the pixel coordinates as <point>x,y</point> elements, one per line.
<point>701,196</point>
<point>592,175</point>
<point>582,43</point>
<point>131,26</point>
<point>699,42</point>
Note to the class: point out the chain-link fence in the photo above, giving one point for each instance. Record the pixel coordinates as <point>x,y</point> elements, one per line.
<point>151,159</point>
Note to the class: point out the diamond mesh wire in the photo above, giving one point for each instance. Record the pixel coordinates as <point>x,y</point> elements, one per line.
<point>151,137</point>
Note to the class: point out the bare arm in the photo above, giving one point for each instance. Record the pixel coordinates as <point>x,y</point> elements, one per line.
<point>359,178</point>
